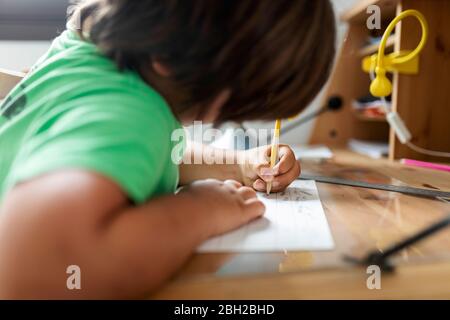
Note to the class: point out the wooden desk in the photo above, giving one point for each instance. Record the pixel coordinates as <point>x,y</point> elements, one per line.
<point>360,220</point>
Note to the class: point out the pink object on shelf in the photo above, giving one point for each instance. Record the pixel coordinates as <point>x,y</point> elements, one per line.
<point>428,165</point>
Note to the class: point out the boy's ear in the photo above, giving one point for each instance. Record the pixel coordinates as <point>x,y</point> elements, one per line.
<point>160,69</point>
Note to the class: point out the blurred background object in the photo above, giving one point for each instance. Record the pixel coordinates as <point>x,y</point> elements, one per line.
<point>26,29</point>
<point>28,26</point>
<point>32,19</point>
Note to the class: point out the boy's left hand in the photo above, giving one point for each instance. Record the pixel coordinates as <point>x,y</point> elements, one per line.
<point>256,171</point>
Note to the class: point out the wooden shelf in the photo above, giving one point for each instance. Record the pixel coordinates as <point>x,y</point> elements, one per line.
<point>373,48</point>
<point>8,80</point>
<point>363,117</point>
<point>421,100</point>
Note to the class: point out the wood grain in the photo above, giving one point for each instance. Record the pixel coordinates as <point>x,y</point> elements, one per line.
<point>360,220</point>
<point>412,282</point>
<point>8,80</point>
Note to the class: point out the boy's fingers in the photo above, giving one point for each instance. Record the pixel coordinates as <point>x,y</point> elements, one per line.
<point>286,163</point>
<point>233,183</point>
<point>254,208</point>
<point>287,160</point>
<point>267,152</point>
<point>247,193</point>
<point>283,181</point>
<point>267,173</point>
<point>259,185</point>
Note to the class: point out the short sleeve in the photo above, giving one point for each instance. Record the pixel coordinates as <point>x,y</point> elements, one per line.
<point>125,141</point>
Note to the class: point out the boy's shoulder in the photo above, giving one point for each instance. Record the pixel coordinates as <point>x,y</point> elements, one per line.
<point>76,78</point>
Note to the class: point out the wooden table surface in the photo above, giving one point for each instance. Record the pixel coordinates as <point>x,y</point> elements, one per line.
<point>360,220</point>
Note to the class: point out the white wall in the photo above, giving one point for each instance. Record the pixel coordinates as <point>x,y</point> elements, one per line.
<point>20,55</point>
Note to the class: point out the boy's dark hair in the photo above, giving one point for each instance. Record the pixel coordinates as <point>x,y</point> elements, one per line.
<point>273,55</point>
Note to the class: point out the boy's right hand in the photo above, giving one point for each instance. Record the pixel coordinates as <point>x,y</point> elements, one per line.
<point>229,204</point>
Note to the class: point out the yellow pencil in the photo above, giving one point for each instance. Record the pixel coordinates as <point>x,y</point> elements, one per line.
<point>274,151</point>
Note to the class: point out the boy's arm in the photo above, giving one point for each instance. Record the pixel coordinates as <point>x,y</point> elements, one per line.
<point>80,218</point>
<point>204,162</point>
<point>250,167</point>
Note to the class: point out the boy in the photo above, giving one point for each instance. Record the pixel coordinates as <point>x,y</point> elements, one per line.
<point>86,173</point>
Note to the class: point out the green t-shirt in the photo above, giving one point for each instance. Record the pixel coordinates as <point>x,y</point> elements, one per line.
<point>75,110</point>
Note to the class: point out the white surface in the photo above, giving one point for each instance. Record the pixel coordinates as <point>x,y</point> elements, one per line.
<point>294,221</point>
<point>375,150</point>
<point>312,152</point>
<point>20,55</point>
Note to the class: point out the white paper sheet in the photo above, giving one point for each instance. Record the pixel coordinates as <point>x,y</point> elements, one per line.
<point>294,221</point>
<point>312,152</point>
